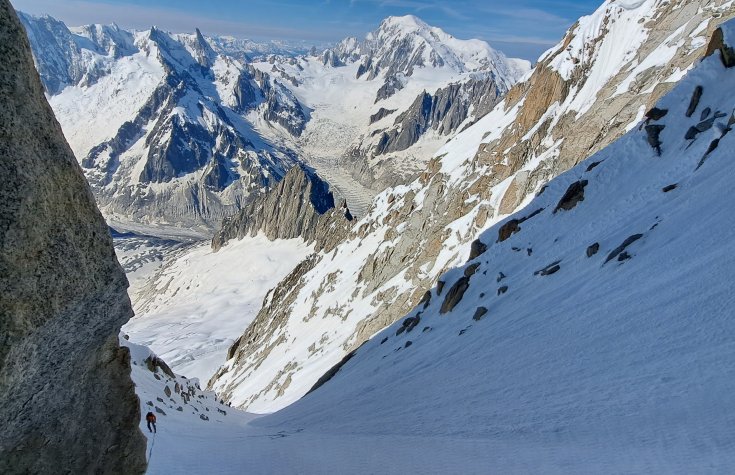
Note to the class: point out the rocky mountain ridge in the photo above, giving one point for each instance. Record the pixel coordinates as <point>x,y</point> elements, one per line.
<point>594,321</point>
<point>299,206</point>
<point>185,129</point>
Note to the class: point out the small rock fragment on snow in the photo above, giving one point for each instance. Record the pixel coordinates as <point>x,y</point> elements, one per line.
<point>552,268</point>
<point>479,313</point>
<point>628,241</point>
<point>694,101</point>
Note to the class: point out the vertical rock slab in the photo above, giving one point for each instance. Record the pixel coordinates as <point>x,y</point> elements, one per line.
<point>67,403</point>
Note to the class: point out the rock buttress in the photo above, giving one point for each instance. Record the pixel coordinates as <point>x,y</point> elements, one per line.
<point>68,403</point>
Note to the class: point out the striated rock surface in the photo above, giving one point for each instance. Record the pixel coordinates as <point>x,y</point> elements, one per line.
<point>300,205</point>
<point>68,403</point>
<point>444,111</point>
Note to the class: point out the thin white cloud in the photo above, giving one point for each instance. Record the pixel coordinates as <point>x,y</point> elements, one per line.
<point>82,12</point>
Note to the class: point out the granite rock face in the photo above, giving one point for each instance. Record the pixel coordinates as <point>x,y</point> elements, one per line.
<point>300,205</point>
<point>444,111</point>
<point>68,403</point>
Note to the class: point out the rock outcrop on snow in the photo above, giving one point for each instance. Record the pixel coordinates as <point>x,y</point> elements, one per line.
<point>300,205</point>
<point>586,92</point>
<point>68,403</point>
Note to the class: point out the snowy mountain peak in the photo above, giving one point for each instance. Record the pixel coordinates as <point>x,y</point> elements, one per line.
<point>404,43</point>
<point>406,23</point>
<point>199,48</point>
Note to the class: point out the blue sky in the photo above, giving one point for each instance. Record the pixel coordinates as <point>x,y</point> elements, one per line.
<point>520,28</point>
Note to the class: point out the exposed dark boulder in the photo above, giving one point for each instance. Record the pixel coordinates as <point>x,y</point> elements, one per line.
<point>426,299</point>
<point>68,403</point>
<point>653,133</point>
<point>573,195</point>
<point>656,113</point>
<point>552,268</point>
<point>477,249</point>
<point>513,226</point>
<point>711,148</point>
<point>694,101</point>
<point>717,43</point>
<point>409,324</point>
<point>668,188</point>
<point>455,294</point>
<point>471,269</point>
<point>593,249</point>
<point>508,229</point>
<point>154,363</point>
<point>691,134</point>
<point>592,166</point>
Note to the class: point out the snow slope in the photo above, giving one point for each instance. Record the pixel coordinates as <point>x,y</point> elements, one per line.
<point>416,232</point>
<point>623,351</point>
<point>619,360</point>
<point>227,441</point>
<point>191,309</point>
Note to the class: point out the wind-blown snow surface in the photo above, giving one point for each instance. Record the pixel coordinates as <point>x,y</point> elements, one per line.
<point>620,362</point>
<point>192,309</point>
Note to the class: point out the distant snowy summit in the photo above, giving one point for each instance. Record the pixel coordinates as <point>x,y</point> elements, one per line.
<point>394,97</point>
<point>402,44</point>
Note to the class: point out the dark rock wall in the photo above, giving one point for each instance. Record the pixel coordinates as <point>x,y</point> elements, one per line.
<point>444,112</point>
<point>68,404</point>
<point>300,205</point>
